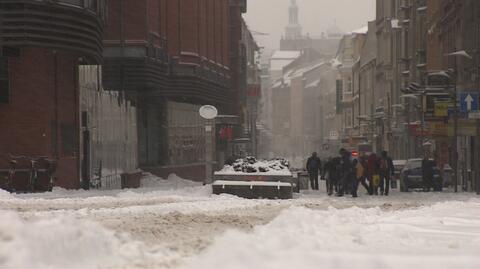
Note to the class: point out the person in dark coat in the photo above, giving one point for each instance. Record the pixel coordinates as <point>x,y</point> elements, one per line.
<point>314,166</point>
<point>330,174</point>
<point>387,171</point>
<point>347,173</point>
<point>428,167</point>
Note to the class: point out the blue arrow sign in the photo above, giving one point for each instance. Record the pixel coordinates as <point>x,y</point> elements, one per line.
<point>469,101</point>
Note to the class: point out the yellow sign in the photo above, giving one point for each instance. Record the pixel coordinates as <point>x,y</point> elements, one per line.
<point>441,109</point>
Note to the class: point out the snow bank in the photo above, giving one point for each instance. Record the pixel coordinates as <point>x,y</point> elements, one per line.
<point>441,236</point>
<point>5,195</point>
<point>65,242</point>
<point>172,182</point>
<point>151,186</point>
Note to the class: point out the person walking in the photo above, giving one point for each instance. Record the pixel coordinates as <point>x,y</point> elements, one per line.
<point>358,168</point>
<point>373,173</point>
<point>314,166</point>
<point>346,171</point>
<point>428,167</point>
<point>329,173</point>
<point>361,173</point>
<point>387,170</point>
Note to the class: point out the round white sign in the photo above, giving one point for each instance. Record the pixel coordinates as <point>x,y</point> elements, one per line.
<point>208,112</point>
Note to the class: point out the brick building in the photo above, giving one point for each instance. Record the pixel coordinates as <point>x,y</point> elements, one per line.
<point>42,45</point>
<point>454,26</point>
<point>170,57</point>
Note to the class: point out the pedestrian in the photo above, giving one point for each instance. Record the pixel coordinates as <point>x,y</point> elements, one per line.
<point>361,173</point>
<point>357,167</point>
<point>346,171</point>
<point>387,171</point>
<point>373,173</point>
<point>330,173</point>
<point>428,167</point>
<point>314,166</point>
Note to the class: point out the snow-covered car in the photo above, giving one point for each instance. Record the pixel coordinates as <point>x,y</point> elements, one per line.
<point>411,176</point>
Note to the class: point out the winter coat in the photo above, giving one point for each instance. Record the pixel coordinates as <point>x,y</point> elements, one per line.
<point>346,166</point>
<point>372,165</point>
<point>386,166</point>
<point>314,164</point>
<point>428,167</point>
<point>360,170</point>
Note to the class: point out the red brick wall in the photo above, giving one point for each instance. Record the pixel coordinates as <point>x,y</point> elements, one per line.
<point>173,30</point>
<point>153,18</point>
<point>27,121</point>
<point>193,26</point>
<point>189,25</point>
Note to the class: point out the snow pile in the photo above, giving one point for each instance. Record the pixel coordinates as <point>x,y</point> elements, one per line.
<point>5,195</point>
<point>172,182</point>
<point>438,237</point>
<point>250,165</point>
<point>66,242</point>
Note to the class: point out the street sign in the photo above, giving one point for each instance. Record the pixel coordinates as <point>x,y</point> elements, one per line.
<point>469,101</point>
<point>474,115</point>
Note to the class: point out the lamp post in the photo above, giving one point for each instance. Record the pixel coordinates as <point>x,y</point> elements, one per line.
<point>209,113</point>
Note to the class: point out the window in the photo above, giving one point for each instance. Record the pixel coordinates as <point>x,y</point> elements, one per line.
<point>4,82</point>
<point>349,87</point>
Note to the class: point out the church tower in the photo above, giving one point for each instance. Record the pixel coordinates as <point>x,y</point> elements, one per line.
<point>294,29</point>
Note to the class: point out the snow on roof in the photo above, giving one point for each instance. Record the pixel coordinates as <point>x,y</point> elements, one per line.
<point>279,64</point>
<point>296,72</point>
<point>286,54</point>
<point>362,30</point>
<point>313,84</point>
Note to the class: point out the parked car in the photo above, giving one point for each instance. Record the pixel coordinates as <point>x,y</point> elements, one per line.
<point>411,176</point>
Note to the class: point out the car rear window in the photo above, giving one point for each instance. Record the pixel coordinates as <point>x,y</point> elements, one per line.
<point>414,164</point>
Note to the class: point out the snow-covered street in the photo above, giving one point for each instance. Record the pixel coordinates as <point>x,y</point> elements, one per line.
<point>176,223</point>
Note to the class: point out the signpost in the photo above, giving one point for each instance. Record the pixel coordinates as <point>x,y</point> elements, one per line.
<point>474,115</point>
<point>469,102</point>
<point>209,113</point>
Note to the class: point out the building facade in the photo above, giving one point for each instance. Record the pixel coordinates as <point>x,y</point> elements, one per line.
<point>170,58</point>
<point>40,57</point>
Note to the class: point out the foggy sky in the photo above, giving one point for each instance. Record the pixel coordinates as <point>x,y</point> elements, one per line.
<point>316,16</point>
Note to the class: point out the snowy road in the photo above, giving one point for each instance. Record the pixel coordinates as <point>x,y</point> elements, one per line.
<point>179,224</point>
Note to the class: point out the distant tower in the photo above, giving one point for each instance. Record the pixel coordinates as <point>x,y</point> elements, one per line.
<point>294,29</point>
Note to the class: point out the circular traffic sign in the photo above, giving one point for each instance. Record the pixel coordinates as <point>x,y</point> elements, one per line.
<point>208,112</point>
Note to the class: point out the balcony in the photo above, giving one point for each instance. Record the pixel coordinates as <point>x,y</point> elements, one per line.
<point>72,25</point>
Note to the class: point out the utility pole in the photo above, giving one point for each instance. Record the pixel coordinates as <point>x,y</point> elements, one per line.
<point>455,132</point>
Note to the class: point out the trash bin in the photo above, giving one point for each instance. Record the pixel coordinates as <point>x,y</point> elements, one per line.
<point>447,175</point>
<point>303,180</point>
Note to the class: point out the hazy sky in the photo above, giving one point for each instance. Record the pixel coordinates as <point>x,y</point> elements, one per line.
<point>316,16</point>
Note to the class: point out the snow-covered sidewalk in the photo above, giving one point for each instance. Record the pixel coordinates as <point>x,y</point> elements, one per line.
<point>177,223</point>
<point>445,235</point>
